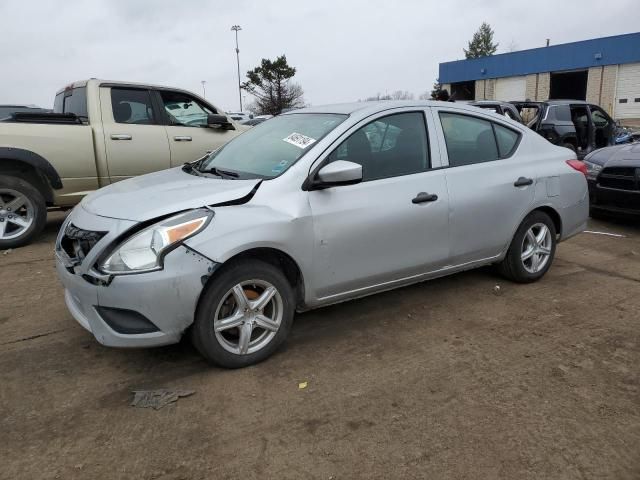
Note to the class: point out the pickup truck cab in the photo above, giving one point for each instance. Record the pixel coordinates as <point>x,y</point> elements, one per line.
<point>100,132</point>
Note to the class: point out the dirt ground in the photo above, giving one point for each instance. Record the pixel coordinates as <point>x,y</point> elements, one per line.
<point>442,380</point>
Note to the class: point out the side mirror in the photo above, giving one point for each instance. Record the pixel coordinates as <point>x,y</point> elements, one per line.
<point>220,122</point>
<point>337,173</point>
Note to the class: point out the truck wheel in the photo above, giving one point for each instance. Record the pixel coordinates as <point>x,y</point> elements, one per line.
<point>244,314</point>
<point>23,212</point>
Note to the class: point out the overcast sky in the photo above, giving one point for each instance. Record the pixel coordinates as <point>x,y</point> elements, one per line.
<point>343,50</point>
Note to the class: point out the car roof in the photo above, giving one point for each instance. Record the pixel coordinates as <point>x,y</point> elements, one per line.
<point>83,83</point>
<point>364,108</point>
<point>489,102</point>
<point>566,102</point>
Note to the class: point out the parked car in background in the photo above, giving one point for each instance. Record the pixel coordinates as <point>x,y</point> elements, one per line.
<point>613,175</point>
<point>501,108</point>
<point>100,132</point>
<point>314,207</point>
<point>7,110</point>
<point>240,116</point>
<point>574,124</point>
<point>253,122</point>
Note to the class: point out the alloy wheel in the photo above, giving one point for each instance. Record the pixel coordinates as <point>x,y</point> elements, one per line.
<point>17,214</point>
<point>248,317</point>
<point>536,248</point>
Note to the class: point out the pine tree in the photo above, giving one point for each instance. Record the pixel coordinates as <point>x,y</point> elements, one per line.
<point>482,43</point>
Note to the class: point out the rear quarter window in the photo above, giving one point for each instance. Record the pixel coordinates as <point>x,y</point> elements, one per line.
<point>72,101</point>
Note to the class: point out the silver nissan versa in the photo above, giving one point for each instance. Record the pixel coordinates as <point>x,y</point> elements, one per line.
<point>310,208</point>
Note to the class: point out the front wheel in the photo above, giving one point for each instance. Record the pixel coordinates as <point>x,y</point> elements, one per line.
<point>532,249</point>
<point>244,315</point>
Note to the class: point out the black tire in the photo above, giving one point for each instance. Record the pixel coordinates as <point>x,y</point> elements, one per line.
<point>202,333</point>
<point>22,186</point>
<point>513,267</point>
<point>570,146</point>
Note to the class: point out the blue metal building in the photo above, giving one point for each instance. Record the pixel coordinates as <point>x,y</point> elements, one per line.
<point>605,71</point>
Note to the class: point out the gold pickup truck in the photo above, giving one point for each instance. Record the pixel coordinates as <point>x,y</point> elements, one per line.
<point>99,132</point>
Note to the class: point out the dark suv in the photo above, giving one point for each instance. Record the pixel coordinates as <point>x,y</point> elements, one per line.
<point>574,124</point>
<point>501,108</point>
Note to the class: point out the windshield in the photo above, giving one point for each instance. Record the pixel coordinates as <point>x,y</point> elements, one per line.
<point>269,149</point>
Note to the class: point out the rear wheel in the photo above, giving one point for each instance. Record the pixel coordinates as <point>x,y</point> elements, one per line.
<point>244,315</point>
<point>23,212</point>
<point>532,249</point>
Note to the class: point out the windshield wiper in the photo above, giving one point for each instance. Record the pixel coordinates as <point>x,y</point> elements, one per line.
<point>221,173</point>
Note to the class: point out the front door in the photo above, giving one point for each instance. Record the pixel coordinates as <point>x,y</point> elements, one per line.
<point>189,136</point>
<point>392,225</point>
<point>136,142</point>
<point>603,126</point>
<point>490,189</point>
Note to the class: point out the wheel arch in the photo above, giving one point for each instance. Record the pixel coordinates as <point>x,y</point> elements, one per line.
<point>32,167</point>
<point>276,257</point>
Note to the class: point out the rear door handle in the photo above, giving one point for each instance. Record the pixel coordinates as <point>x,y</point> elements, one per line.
<point>424,197</point>
<point>120,136</point>
<point>523,182</point>
<point>182,138</point>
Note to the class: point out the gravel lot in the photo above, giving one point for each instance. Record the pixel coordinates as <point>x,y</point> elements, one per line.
<point>447,379</point>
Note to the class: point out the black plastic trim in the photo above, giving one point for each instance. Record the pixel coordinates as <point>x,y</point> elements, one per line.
<point>127,322</point>
<point>36,161</point>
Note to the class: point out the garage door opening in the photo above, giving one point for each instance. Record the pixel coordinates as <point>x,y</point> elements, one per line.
<point>569,85</point>
<point>463,90</point>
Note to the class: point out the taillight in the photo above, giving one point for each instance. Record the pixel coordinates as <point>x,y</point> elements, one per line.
<point>578,165</point>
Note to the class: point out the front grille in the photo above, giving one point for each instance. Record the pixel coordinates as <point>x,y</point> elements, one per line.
<point>77,243</point>
<point>621,178</point>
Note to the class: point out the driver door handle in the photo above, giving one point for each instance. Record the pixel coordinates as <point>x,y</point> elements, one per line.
<point>120,136</point>
<point>424,197</point>
<point>523,182</point>
<point>182,138</point>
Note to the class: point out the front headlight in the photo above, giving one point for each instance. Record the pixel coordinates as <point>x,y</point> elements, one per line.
<point>593,169</point>
<point>143,252</point>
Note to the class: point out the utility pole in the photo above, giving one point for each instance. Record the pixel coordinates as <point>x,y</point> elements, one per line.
<point>204,92</point>
<point>237,28</point>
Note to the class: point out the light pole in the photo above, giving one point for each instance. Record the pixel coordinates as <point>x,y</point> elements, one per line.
<point>204,91</point>
<point>237,28</point>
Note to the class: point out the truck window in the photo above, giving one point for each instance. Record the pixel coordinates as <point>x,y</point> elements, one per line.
<point>131,105</point>
<point>72,100</point>
<point>185,110</point>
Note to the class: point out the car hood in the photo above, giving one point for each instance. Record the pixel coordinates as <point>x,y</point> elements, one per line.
<point>619,155</point>
<point>161,193</point>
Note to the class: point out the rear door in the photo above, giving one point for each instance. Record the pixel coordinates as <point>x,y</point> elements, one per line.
<point>186,124</point>
<point>392,225</point>
<point>491,187</point>
<point>135,140</point>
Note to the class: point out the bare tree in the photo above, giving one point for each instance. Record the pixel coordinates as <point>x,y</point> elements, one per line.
<point>402,95</point>
<point>270,84</point>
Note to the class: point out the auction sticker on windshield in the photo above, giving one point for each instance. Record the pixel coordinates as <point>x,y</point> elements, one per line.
<point>299,140</point>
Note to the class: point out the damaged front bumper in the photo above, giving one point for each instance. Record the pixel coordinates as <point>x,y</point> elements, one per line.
<point>135,310</point>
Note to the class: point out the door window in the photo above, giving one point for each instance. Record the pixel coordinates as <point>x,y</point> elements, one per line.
<point>472,140</point>
<point>184,110</point>
<point>599,117</point>
<point>388,147</point>
<point>469,139</point>
<point>132,106</point>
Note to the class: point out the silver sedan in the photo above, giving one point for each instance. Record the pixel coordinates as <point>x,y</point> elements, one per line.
<point>311,208</point>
